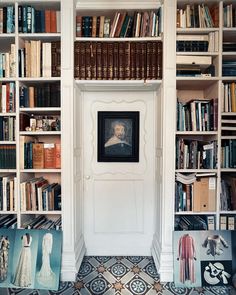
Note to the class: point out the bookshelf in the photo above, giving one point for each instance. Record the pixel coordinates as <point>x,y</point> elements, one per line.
<point>21,23</point>
<point>218,86</point>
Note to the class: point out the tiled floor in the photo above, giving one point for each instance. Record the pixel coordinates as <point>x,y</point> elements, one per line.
<point>133,275</point>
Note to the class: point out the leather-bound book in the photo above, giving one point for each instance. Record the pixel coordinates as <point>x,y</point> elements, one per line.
<point>132,60</point>
<point>110,56</point>
<point>94,26</point>
<point>88,61</point>
<point>149,61</point>
<point>78,26</point>
<point>127,60</point>
<point>159,60</point>
<point>120,24</point>
<point>58,156</point>
<point>115,60</point>
<point>47,21</point>
<point>121,60</point>
<point>104,60</point>
<point>93,60</point>
<point>137,60</point>
<point>77,60</point>
<point>99,60</point>
<point>154,60</point>
<point>82,61</point>
<point>143,60</point>
<point>38,155</point>
<point>49,155</point>
<point>98,26</point>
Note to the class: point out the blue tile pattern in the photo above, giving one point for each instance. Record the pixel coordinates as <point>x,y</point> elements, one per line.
<point>133,275</point>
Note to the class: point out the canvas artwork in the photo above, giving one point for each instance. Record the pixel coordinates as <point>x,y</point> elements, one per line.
<point>204,258</point>
<point>30,258</point>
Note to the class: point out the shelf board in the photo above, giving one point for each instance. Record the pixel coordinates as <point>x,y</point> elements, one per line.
<point>228,212</point>
<point>194,83</point>
<point>12,79</point>
<point>196,133</point>
<point>228,170</point>
<point>118,39</point>
<point>228,53</point>
<point>35,133</point>
<point>94,5</point>
<point>118,85</point>
<point>40,170</point>
<point>7,142</point>
<point>228,137</point>
<point>197,53</point>
<point>228,78</point>
<point>195,213</point>
<point>196,30</point>
<point>51,36</point>
<point>7,114</point>
<point>7,212</point>
<point>228,114</point>
<point>8,170</point>
<point>55,212</point>
<point>233,128</point>
<point>196,170</point>
<point>7,35</point>
<point>41,110</point>
<point>39,79</point>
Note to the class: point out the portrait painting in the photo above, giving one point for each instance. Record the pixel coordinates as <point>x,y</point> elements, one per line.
<point>118,136</point>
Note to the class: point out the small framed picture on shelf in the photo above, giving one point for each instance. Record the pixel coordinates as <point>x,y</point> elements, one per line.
<point>118,136</point>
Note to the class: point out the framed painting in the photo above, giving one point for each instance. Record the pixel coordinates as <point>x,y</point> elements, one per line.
<point>118,136</point>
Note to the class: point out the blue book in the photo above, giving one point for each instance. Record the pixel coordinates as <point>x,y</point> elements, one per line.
<point>10,20</point>
<point>42,21</point>
<point>24,19</point>
<point>32,20</point>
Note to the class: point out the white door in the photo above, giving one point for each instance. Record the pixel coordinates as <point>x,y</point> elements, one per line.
<point>119,197</point>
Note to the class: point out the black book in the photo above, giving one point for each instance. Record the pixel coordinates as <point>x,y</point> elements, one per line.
<point>20,23</point>
<point>4,19</point>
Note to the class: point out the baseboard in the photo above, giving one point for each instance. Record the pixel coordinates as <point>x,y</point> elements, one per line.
<point>163,259</point>
<point>72,260</point>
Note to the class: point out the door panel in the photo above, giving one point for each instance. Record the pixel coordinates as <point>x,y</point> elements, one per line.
<point>118,197</point>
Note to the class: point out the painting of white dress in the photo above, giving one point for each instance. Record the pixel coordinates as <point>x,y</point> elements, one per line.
<point>7,240</point>
<point>26,243</point>
<point>48,260</point>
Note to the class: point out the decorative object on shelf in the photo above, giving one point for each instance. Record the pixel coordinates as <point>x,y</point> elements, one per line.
<point>118,136</point>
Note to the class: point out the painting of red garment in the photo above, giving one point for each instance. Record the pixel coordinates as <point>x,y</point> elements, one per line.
<point>186,257</point>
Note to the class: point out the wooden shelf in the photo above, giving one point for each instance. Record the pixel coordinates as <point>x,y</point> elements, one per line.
<point>35,133</point>
<point>131,39</point>
<point>7,114</point>
<point>54,212</point>
<point>41,110</point>
<point>40,170</point>
<point>7,142</point>
<point>39,79</point>
<point>205,133</point>
<point>195,213</point>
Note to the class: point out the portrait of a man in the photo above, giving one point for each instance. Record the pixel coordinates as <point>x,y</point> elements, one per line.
<point>118,136</point>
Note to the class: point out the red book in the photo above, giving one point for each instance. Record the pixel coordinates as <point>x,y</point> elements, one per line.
<point>49,155</point>
<point>47,21</point>
<point>53,21</point>
<point>58,156</point>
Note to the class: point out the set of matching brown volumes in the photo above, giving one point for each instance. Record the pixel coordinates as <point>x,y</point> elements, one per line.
<point>118,60</point>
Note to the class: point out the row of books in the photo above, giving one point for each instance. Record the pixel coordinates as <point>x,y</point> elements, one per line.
<point>194,70</point>
<point>198,43</point>
<point>229,46</point>
<point>34,122</point>
<point>39,155</point>
<point>8,188</point>
<point>7,156</point>
<point>229,99</point>
<point>227,222</point>
<point>229,68</point>
<point>7,21</point>
<point>194,222</point>
<point>197,115</point>
<point>229,16</point>
<point>38,195</point>
<point>140,24</point>
<point>197,196</point>
<point>118,60</point>
<point>8,63</point>
<point>7,97</point>
<point>7,128</point>
<point>228,193</point>
<point>196,154</point>
<point>8,221</point>
<point>42,222</point>
<point>197,16</point>
<point>31,20</point>
<point>40,59</point>
<point>228,153</point>
<point>43,95</point>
